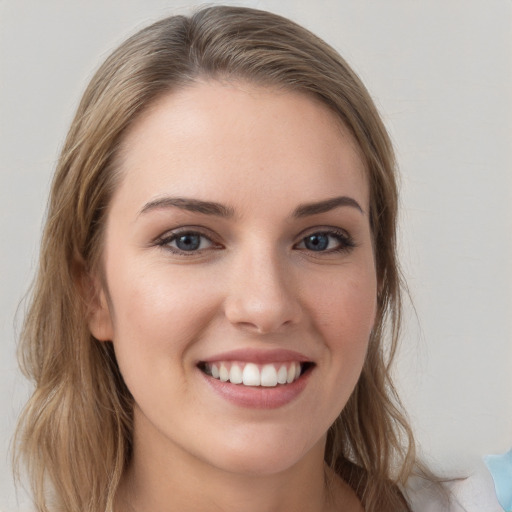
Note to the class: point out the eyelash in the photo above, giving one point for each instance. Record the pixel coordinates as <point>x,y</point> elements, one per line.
<point>344,240</point>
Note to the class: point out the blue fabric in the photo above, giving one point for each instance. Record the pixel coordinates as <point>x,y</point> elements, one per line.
<point>500,467</point>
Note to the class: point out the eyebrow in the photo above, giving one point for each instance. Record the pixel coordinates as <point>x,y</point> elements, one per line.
<point>191,205</point>
<point>307,209</point>
<point>220,210</point>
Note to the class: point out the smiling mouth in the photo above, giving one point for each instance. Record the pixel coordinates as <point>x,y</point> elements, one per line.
<point>251,374</point>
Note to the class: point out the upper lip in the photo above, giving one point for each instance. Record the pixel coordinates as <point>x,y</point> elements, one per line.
<point>259,356</point>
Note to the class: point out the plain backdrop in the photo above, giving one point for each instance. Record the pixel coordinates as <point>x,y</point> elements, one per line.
<point>441,74</point>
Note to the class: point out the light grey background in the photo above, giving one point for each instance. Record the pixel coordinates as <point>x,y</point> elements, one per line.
<point>441,74</point>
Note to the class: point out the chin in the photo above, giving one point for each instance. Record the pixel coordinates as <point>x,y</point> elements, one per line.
<point>264,454</point>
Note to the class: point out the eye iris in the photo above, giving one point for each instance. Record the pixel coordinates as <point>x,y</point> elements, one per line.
<point>317,242</point>
<point>188,242</point>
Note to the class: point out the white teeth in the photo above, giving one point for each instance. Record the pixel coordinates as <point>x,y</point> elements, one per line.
<point>291,374</point>
<point>235,374</point>
<point>282,374</point>
<point>251,375</point>
<point>268,376</point>
<point>223,373</point>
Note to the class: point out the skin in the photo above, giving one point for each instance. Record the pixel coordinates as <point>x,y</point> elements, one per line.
<point>254,283</point>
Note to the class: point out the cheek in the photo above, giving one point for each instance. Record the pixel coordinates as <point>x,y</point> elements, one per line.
<point>158,312</point>
<point>346,303</point>
<point>344,313</point>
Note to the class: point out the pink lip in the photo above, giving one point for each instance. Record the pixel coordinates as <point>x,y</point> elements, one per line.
<point>258,397</point>
<point>259,356</point>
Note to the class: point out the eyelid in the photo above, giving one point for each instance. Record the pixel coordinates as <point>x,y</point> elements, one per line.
<point>326,227</point>
<point>334,230</point>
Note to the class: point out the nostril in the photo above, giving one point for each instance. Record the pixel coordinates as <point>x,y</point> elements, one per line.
<point>262,318</point>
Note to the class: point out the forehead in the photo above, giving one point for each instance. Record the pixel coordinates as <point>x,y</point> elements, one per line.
<point>236,141</point>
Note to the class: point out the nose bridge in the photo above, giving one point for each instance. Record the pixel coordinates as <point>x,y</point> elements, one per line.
<point>261,294</point>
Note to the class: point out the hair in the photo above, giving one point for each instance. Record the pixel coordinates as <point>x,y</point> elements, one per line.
<point>75,434</point>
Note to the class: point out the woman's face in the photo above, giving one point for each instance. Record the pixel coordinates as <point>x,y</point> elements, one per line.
<point>240,286</point>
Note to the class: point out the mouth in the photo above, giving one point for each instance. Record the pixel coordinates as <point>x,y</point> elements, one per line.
<point>252,374</point>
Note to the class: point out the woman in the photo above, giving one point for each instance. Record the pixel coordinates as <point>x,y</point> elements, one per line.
<point>218,299</point>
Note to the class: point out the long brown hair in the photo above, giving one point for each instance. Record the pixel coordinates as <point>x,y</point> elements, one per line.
<point>75,433</point>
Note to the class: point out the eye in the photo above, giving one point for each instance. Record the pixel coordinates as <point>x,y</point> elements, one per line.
<point>184,242</point>
<point>326,241</point>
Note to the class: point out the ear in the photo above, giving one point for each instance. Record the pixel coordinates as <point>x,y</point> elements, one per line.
<point>92,290</point>
<point>99,317</point>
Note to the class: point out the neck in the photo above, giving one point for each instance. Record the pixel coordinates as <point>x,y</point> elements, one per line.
<point>171,480</point>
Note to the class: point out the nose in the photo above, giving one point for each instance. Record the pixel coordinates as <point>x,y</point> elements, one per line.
<point>262,295</point>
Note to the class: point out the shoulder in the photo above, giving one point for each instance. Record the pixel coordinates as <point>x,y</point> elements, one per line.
<point>475,493</point>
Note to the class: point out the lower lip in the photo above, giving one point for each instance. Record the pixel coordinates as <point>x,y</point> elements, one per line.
<point>258,397</point>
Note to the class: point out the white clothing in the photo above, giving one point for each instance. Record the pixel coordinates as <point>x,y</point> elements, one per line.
<point>475,493</point>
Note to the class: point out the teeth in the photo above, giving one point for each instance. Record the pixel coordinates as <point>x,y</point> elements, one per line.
<point>290,376</point>
<point>282,375</point>
<point>223,373</point>
<point>251,374</point>
<point>268,376</point>
<point>235,374</point>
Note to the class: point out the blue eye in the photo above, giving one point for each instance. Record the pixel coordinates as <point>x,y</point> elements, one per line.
<point>317,242</point>
<point>186,242</point>
<point>326,241</point>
